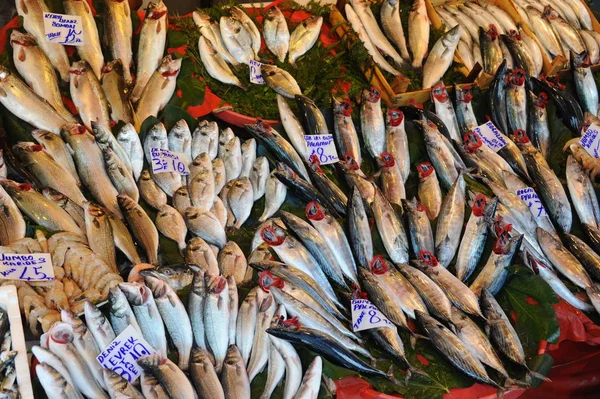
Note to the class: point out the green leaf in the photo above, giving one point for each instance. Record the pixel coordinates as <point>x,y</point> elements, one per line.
<point>173,114</point>
<point>531,300</point>
<point>192,90</point>
<point>176,38</point>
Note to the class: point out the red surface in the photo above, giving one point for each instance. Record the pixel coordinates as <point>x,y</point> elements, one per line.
<point>575,373</point>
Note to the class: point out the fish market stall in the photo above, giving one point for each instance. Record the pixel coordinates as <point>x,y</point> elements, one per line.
<point>255,202</point>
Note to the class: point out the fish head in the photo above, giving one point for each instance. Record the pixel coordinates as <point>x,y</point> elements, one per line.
<point>145,175</point>
<point>203,357</point>
<point>126,203</point>
<point>386,160</point>
<point>79,68</point>
<point>117,301</point>
<point>516,77</point>
<point>378,265</point>
<point>464,94</point>
<point>471,141</point>
<point>439,92</point>
<point>515,35</point>
<point>151,362</point>
<point>181,129</point>
<point>135,293</point>
<point>202,18</point>
<point>73,131</point>
<point>285,171</point>
<point>348,162</point>
<point>158,132</point>
<point>237,13</point>
<point>425,169</point>
<point>428,258</point>
<point>479,204</point>
<point>541,101</point>
<point>128,133</point>
<point>22,39</point>
<point>550,13</point>
<point>158,287</point>
<point>357,293</point>
<point>428,323</point>
<point>373,95</point>
<point>502,243</point>
<point>156,10</point>
<point>395,117</point>
<point>115,65</point>
<point>215,284</point>
<point>169,68</point>
<point>266,280</point>
<point>520,136</point>
<point>54,195</point>
<point>273,235</point>
<point>60,333</point>
<point>272,13</point>
<point>260,129</point>
<point>314,211</point>
<point>176,276</point>
<point>233,357</point>
<point>492,32</point>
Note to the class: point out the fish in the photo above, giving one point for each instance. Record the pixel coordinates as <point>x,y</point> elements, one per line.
<point>363,36</point>
<point>120,175</point>
<point>391,179</point>
<point>432,295</point>
<point>147,315</point>
<point>159,89</point>
<point>281,81</point>
<point>312,117</point>
<point>591,45</point>
<point>88,96</point>
<point>246,322</point>
<point>247,22</point>
<point>91,51</point>
<point>214,64</point>
<point>276,364</point>
<point>203,375</point>
<point>304,37</point>
<point>276,33</point>
<point>450,222</point>
<point>261,345</point>
<point>275,195</point>
<point>259,176</point>
<point>98,325</point>
<point>120,313</point>
<point>453,349</point>
<point>429,191</point>
<point>171,224</point>
<point>516,100</point>
<point>22,102</point>
<point>129,140</point>
<point>418,32</point>
<point>55,146</point>
<point>545,33</point>
<point>491,49</point>
<point>32,12</point>
<point>440,57</point>
<point>232,262</point>
<point>311,382</point>
<point>292,127</point>
<point>493,275</point>
<point>586,89</point>
<point>36,69</point>
<point>12,224</point>
<point>45,356</point>
<point>151,388</point>
<point>421,235</point>
<point>151,48</point>
<point>118,33</point>
<point>117,385</point>
<point>210,29</point>
<point>567,31</point>
<point>519,52</point>
<point>293,364</point>
<point>344,132</point>
<point>205,225</point>
<point>205,139</point>
<point>361,241</point>
<point>175,317</point>
<point>117,93</point>
<point>150,192</point>
<point>155,138</point>
<point>55,384</point>
<point>232,159</point>
<point>392,26</point>
<point>100,234</point>
<point>445,110</point>
<point>171,377</point>
<point>537,122</point>
<point>582,193</point>
<point>141,226</point>
<point>216,318</point>
<point>195,308</point>
<point>240,200</point>
<point>372,123</point>
<point>199,253</point>
<point>442,158</point>
<point>237,39</point>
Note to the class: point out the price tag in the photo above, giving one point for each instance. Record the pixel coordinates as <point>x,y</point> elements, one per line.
<point>26,267</point>
<point>122,354</point>
<point>590,140</point>
<point>256,73</point>
<point>63,29</point>
<point>166,161</point>
<point>491,136</point>
<point>530,197</point>
<point>323,146</point>
<point>365,316</point>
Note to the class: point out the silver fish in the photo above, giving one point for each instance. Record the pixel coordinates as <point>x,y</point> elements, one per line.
<point>259,176</point>
<point>281,81</point>
<point>196,308</point>
<point>275,195</point>
<point>117,93</point>
<point>232,159</point>
<point>205,139</point>
<point>155,138</point>
<point>88,96</point>
<point>56,147</point>
<point>304,37</point>
<point>204,376</point>
<point>440,57</point>
<point>129,140</point>
<point>216,318</point>
<point>159,89</point>
<point>150,192</point>
<point>210,29</point>
<point>120,175</point>
<point>100,234</point>
<point>450,223</point>
<point>215,65</point>
<point>171,224</point>
<point>293,127</point>
<point>238,14</point>
<point>276,33</point>
<point>418,32</point>
<point>582,193</point>
<point>372,123</point>
<point>151,388</point>
<point>392,26</point>
<point>240,200</point>
<point>261,345</point>
<point>237,39</point>
<point>117,385</point>
<point>234,377</point>
<point>141,226</point>
<point>344,131</point>
<point>54,384</point>
<point>206,226</point>
<point>248,157</point>
<point>12,224</point>
<point>98,325</point>
<point>118,33</point>
<point>91,51</point>
<point>171,377</point>
<point>120,313</point>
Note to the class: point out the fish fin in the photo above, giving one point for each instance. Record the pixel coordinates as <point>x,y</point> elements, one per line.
<point>22,55</point>
<point>330,386</point>
<point>392,377</point>
<point>23,7</point>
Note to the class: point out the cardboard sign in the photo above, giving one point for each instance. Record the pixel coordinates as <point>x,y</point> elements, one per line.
<point>530,197</point>
<point>122,354</point>
<point>323,146</point>
<point>365,316</point>
<point>166,161</point>
<point>256,73</point>
<point>63,29</point>
<point>26,267</point>
<point>590,140</point>
<point>491,136</point>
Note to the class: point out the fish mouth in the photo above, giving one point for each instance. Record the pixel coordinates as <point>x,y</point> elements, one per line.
<point>542,100</point>
<point>314,211</point>
<point>373,95</point>
<point>425,169</point>
<point>428,258</point>
<point>350,162</point>
<point>479,205</point>
<point>271,236</point>
<point>472,141</point>
<point>266,280</point>
<point>378,265</point>
<point>396,116</point>
<point>466,95</point>
<point>387,159</point>
<point>520,136</point>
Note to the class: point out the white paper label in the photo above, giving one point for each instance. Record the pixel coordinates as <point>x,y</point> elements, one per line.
<point>122,354</point>
<point>590,140</point>
<point>491,136</point>
<point>366,316</point>
<point>63,29</point>
<point>322,146</point>
<point>26,267</point>
<point>167,161</point>
<point>530,197</point>
<point>256,73</point>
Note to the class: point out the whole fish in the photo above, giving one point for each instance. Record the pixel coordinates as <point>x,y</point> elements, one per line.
<point>44,355</point>
<point>117,385</point>
<point>276,364</point>
<point>120,313</point>
<point>292,127</point>
<point>311,382</point>
<point>585,87</point>
<point>314,121</point>
<point>151,388</point>
<point>281,81</point>
<point>225,136</point>
<point>304,37</point>
<point>240,200</point>
<point>441,156</point>
<point>55,146</point>
<point>397,141</point>
<point>98,325</point>
<point>465,54</point>
<point>74,210</point>
<point>494,274</point>
<point>450,223</point>
<point>490,49</point>
<point>293,365</point>
<point>279,146</point>
<point>141,226</point>
<point>150,192</point>
<point>39,209</point>
<point>276,33</point>
<point>445,110</point>
<point>155,138</point>
<point>440,57</point>
<point>372,122</point>
<point>421,235</point>
<point>32,12</point>
<point>519,52</point>
<point>346,138</point>
<point>447,13</point>
<point>259,175</point>
<point>591,45</point>
<point>159,89</point>
<point>171,224</point>
<point>147,315</point>
<point>392,26</point>
<point>391,179</point>
<point>232,159</point>
<point>215,65</point>
<point>88,95</point>
<point>100,234</point>
<point>261,345</point>
<point>516,100</point>
<point>390,228</point>
<point>246,322</point>
<point>54,383</point>
<point>453,348</point>
<point>418,32</point>
<point>432,295</point>
<point>21,101</point>
<point>216,318</point>
<point>210,29</point>
<point>567,32</point>
<point>237,39</point>
<point>117,93</point>
<point>232,262</point>
<point>171,377</point>
<point>205,139</point>
<point>36,69</point>
<point>582,193</point>
<point>275,195</point>
<point>153,38</point>
<point>247,22</point>
<point>363,36</point>
<point>118,33</point>
<point>586,255</point>
<point>546,34</point>
<point>91,51</point>
<point>429,191</point>
<point>203,375</point>
<point>233,307</point>
<point>179,139</point>
<point>205,225</point>
<point>537,122</point>
<point>129,140</point>
<point>195,308</point>
<point>360,231</point>
<point>12,224</point>
<point>120,175</point>
<point>175,317</point>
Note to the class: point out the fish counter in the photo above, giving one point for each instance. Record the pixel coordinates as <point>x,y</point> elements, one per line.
<point>234,204</point>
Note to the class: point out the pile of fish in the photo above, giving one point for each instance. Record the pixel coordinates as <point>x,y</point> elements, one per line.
<point>8,374</point>
<point>236,39</point>
<point>102,92</point>
<point>553,28</point>
<point>220,347</point>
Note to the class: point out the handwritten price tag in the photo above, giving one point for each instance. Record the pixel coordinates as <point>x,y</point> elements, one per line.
<point>26,267</point>
<point>256,73</point>
<point>166,161</point>
<point>122,353</point>
<point>530,197</point>
<point>365,316</point>
<point>590,140</point>
<point>63,29</point>
<point>491,136</point>
<point>323,146</point>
